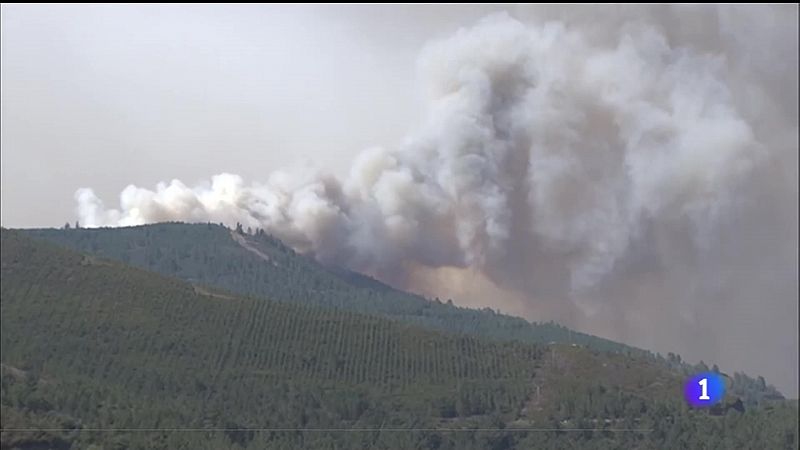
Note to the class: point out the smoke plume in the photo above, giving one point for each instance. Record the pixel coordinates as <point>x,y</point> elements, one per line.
<point>631,173</point>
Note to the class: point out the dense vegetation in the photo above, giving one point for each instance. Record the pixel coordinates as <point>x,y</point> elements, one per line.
<point>253,263</point>
<point>97,354</point>
<point>259,265</point>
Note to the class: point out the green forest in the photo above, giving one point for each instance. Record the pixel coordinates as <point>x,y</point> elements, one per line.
<point>259,265</point>
<point>196,336</point>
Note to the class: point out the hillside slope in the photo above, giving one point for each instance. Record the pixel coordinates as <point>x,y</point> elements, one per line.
<point>259,265</point>
<point>98,353</point>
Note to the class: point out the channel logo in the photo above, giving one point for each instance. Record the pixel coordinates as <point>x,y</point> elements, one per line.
<point>704,389</point>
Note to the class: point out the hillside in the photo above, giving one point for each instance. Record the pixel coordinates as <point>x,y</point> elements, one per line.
<point>91,345</point>
<point>259,265</point>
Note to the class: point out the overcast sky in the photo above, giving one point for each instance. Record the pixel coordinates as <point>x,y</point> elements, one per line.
<point>105,96</point>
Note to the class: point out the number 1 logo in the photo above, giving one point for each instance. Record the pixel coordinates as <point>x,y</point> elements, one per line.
<point>704,389</point>
<point>704,384</point>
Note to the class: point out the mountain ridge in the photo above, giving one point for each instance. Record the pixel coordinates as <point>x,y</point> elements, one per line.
<point>372,296</point>
<point>233,260</point>
<point>95,344</point>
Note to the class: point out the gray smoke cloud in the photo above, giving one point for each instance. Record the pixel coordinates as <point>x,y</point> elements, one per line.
<point>632,173</point>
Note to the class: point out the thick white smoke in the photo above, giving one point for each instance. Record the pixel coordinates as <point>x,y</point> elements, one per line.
<point>607,175</point>
<point>583,142</point>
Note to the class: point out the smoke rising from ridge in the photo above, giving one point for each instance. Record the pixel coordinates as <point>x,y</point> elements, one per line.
<point>631,173</point>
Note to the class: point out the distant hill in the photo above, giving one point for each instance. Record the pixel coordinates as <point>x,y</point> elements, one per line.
<point>262,266</point>
<point>98,354</point>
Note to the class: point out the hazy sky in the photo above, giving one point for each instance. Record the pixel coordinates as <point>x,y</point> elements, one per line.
<point>627,170</point>
<point>104,96</point>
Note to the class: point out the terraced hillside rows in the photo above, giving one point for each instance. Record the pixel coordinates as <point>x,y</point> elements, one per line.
<point>259,265</point>
<point>120,346</point>
<point>97,354</point>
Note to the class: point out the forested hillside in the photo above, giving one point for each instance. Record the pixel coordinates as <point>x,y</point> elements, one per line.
<point>259,265</point>
<point>96,354</point>
<point>251,262</point>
